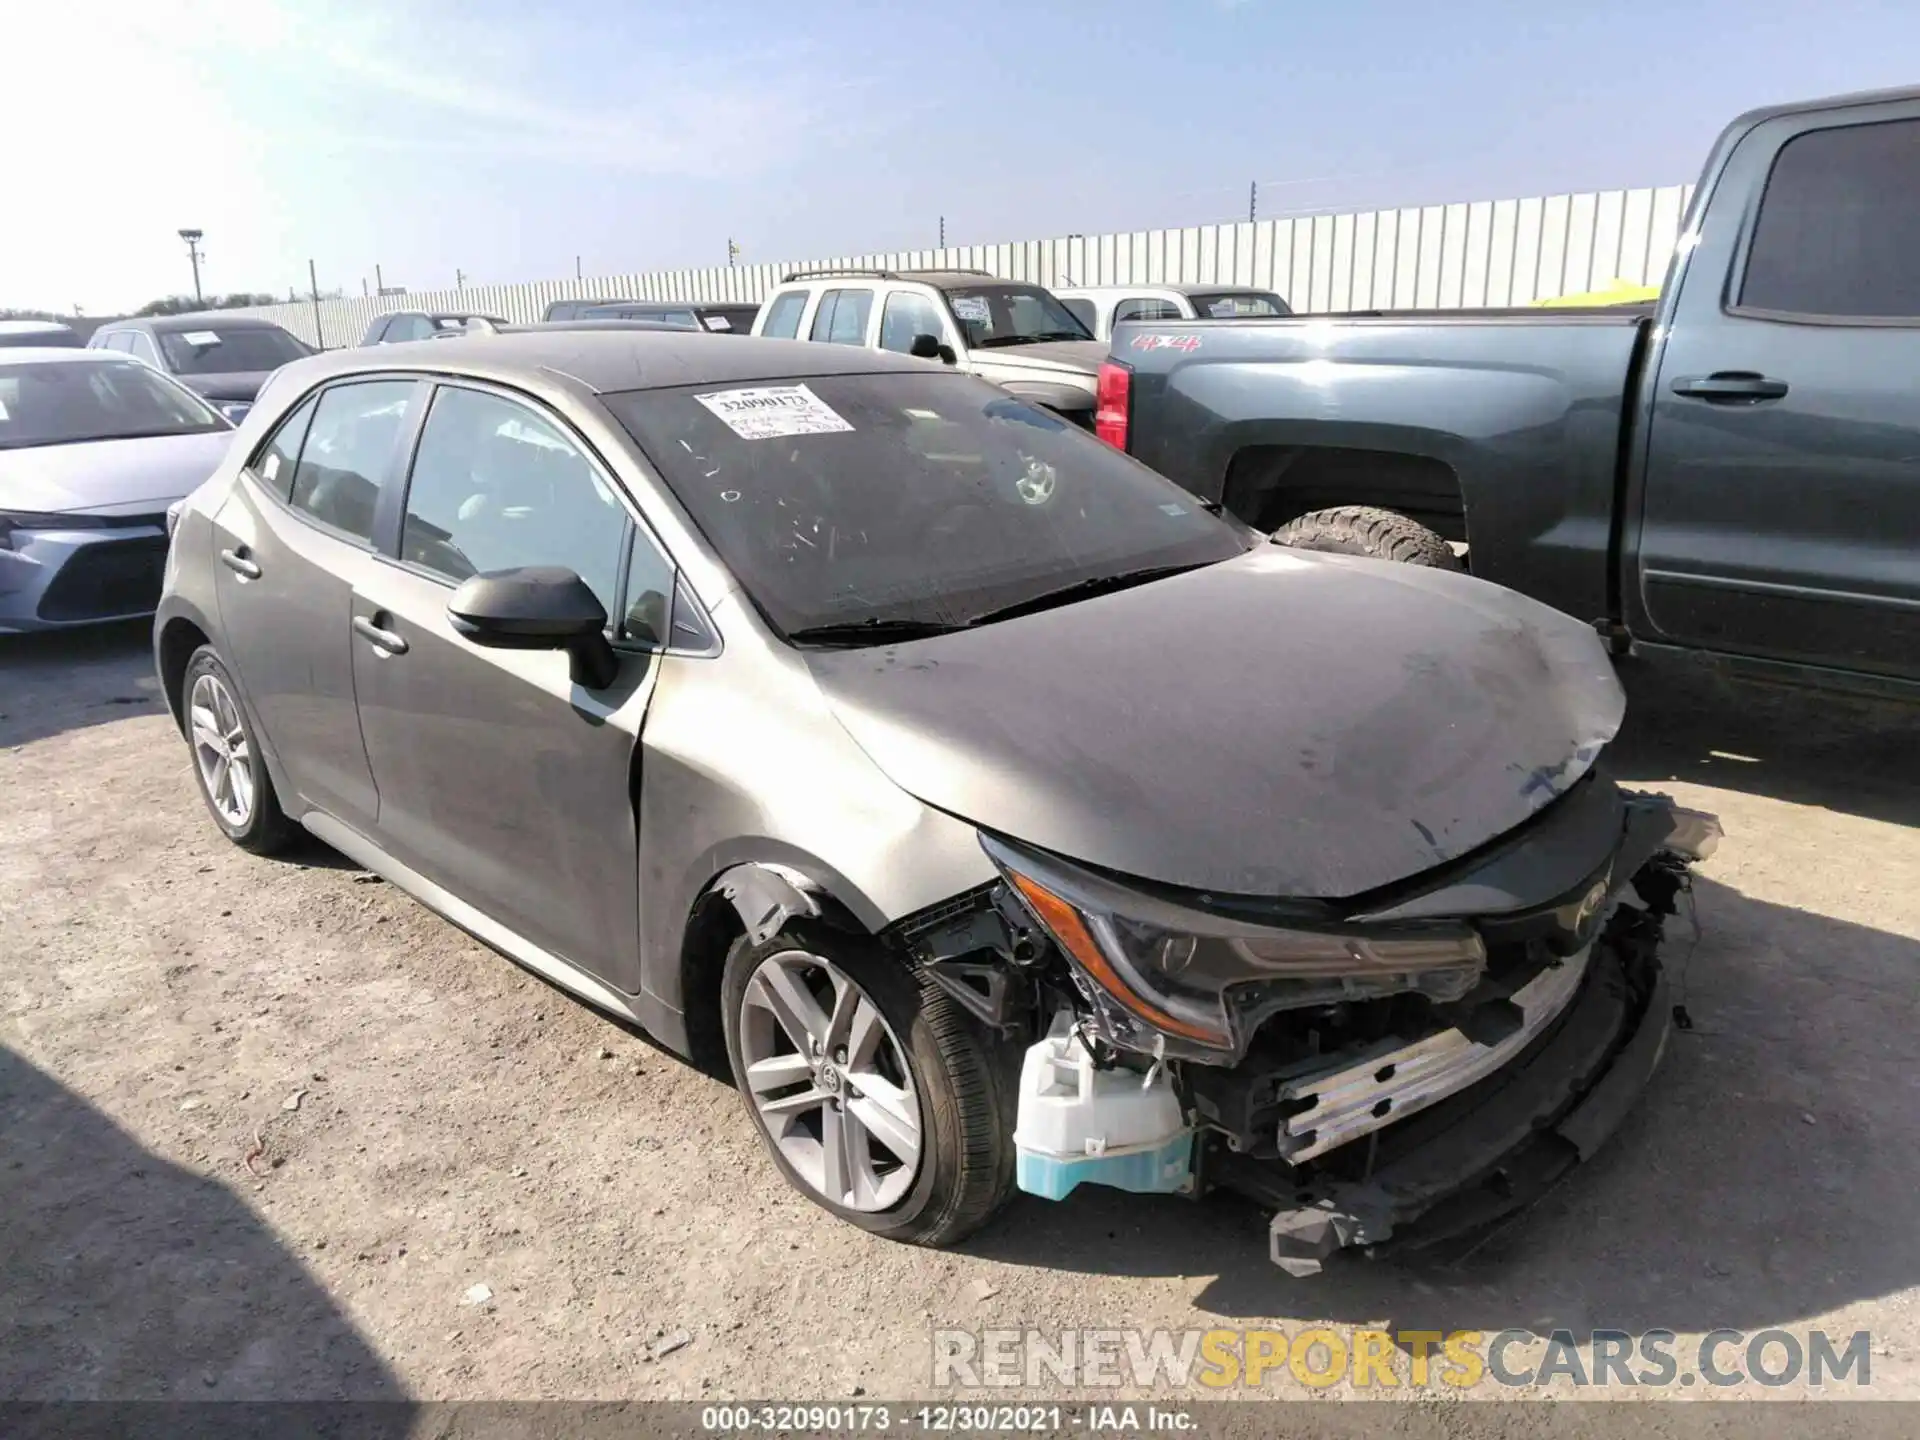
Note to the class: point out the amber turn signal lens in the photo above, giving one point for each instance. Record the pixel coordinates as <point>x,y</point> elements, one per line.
<point>1071,931</point>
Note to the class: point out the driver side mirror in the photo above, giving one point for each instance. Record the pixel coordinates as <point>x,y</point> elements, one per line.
<point>930,347</point>
<point>538,607</point>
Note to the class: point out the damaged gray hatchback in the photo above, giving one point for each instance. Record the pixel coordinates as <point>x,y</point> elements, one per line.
<point>999,814</point>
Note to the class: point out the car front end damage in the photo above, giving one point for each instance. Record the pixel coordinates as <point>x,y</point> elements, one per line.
<point>1385,1072</point>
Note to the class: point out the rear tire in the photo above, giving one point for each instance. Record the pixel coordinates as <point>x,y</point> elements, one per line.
<point>228,768</point>
<point>963,1168</point>
<point>1366,530</point>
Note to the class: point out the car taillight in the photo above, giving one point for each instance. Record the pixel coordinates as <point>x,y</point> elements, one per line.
<point>1111,402</point>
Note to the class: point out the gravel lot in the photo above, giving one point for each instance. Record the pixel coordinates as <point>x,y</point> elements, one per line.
<point>264,1125</point>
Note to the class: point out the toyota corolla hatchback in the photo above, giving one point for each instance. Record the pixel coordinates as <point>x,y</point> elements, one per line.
<point>1000,814</point>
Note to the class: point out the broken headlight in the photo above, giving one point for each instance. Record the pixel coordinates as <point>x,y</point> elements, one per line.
<point>1188,974</point>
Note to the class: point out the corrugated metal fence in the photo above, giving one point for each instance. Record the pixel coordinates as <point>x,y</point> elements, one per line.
<point>1493,252</point>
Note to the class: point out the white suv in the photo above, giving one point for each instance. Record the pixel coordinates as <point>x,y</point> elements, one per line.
<point>1101,307</point>
<point>1016,335</point>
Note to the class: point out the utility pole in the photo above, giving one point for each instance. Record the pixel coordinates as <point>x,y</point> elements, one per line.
<point>1253,200</point>
<point>192,237</point>
<point>459,278</point>
<point>379,280</point>
<point>943,232</point>
<point>313,284</point>
<point>576,267</point>
<point>733,252</point>
<point>363,287</point>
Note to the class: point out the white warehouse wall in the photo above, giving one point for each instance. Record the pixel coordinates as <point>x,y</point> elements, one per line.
<point>1490,252</point>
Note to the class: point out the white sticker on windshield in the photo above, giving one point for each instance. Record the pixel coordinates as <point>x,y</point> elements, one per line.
<point>201,337</point>
<point>972,307</point>
<point>271,468</point>
<point>774,410</point>
<point>719,322</point>
<point>3,411</point>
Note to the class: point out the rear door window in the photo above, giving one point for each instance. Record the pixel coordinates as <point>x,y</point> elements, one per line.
<point>349,451</point>
<point>842,317</point>
<point>783,315</point>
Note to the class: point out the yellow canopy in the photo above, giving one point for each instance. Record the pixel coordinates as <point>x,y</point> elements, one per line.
<point>1620,292</point>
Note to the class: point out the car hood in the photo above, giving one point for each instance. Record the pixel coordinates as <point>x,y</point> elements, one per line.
<point>1281,724</point>
<point>109,477</point>
<point>234,385</point>
<point>1072,362</point>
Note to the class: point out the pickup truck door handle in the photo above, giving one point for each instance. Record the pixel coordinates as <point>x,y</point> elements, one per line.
<point>380,639</point>
<point>1730,387</point>
<point>237,561</point>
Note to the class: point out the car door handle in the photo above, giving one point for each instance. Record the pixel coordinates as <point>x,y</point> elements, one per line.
<point>237,561</point>
<point>380,639</point>
<point>1729,387</point>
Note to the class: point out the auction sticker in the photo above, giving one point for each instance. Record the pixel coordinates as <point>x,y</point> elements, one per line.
<point>771,411</point>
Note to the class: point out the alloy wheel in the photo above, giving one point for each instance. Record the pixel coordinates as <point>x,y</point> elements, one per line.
<point>830,1081</point>
<point>220,750</point>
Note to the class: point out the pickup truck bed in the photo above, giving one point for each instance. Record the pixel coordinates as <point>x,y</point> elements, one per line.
<point>1732,477</point>
<point>1524,408</point>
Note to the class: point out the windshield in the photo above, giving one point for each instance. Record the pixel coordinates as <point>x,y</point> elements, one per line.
<point>992,315</point>
<point>53,403</point>
<point>900,498</point>
<point>1239,305</point>
<point>229,350</point>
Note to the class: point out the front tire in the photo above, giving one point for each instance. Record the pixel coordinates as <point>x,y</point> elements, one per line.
<point>875,1094</point>
<point>1370,531</point>
<point>228,767</point>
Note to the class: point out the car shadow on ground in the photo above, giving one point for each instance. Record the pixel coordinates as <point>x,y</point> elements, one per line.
<point>61,680</point>
<point>126,1277</point>
<point>1803,747</point>
<point>1767,1174</point>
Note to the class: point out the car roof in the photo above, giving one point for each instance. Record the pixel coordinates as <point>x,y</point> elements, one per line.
<point>1829,102</point>
<point>18,354</point>
<point>610,360</point>
<point>200,320</point>
<point>33,327</point>
<point>670,304</point>
<point>939,279</point>
<point>1222,288</point>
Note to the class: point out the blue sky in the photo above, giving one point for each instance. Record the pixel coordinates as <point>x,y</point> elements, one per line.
<point>502,139</point>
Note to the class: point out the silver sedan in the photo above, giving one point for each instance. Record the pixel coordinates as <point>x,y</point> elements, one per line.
<point>94,449</point>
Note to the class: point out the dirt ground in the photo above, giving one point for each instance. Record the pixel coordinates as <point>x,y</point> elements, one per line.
<point>265,1126</point>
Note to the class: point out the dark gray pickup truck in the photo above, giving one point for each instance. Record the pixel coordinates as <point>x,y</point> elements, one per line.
<point>1732,473</point>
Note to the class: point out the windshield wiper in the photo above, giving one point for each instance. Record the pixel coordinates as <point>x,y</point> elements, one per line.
<point>874,630</point>
<point>1039,337</point>
<point>1084,589</point>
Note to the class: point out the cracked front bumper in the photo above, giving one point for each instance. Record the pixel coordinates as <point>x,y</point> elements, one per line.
<point>1498,1145</point>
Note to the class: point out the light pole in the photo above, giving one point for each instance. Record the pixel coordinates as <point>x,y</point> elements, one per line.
<point>192,237</point>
